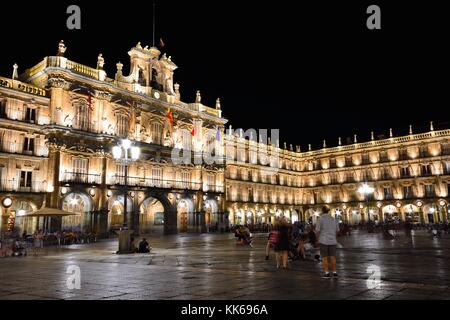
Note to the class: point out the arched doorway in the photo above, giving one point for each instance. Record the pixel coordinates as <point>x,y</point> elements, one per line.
<point>211,209</point>
<point>116,212</point>
<point>391,213</point>
<point>151,216</point>
<point>185,207</point>
<point>412,213</point>
<point>431,212</point>
<point>294,216</point>
<point>80,204</point>
<point>19,210</point>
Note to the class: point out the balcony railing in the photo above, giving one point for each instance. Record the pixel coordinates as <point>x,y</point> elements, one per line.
<point>154,183</point>
<point>76,177</point>
<point>18,148</point>
<point>14,186</point>
<point>213,188</point>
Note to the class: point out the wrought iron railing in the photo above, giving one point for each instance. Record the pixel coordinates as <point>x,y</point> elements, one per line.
<point>30,186</point>
<point>77,177</point>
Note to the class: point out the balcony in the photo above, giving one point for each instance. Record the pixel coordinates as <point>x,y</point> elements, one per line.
<point>213,188</point>
<point>13,186</point>
<point>16,147</point>
<point>81,178</point>
<point>154,183</point>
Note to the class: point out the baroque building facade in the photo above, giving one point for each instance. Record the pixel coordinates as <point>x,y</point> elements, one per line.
<point>58,126</point>
<point>60,119</point>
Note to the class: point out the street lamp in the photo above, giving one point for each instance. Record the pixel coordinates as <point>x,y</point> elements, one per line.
<point>365,189</point>
<point>125,153</point>
<point>126,147</point>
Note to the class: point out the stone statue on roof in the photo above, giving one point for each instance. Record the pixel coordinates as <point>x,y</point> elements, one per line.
<point>61,49</point>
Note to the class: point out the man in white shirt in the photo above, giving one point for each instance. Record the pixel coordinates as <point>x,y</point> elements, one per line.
<point>327,227</point>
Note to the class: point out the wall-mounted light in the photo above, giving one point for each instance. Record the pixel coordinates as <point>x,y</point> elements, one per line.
<point>64,190</point>
<point>194,197</point>
<point>178,196</point>
<point>7,202</point>
<point>132,194</point>
<point>419,203</point>
<point>50,188</point>
<point>205,197</point>
<point>109,193</point>
<point>92,192</point>
<point>442,203</point>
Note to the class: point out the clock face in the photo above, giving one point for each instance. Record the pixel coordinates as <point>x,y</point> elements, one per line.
<point>156,95</point>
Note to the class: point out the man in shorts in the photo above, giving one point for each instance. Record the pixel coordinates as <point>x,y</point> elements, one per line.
<point>327,227</point>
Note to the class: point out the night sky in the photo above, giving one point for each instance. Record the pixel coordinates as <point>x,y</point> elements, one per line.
<point>311,69</point>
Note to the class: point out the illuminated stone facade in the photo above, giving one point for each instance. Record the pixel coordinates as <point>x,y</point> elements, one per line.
<point>57,128</point>
<point>59,121</point>
<point>410,176</point>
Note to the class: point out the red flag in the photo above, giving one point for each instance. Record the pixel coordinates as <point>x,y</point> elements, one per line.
<point>193,131</point>
<point>91,108</point>
<point>169,116</point>
<point>161,43</point>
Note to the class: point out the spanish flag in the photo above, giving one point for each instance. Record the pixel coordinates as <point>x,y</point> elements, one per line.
<point>169,116</point>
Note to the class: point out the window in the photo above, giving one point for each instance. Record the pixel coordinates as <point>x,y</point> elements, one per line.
<point>122,125</point>
<point>30,114</point>
<point>79,170</point>
<point>156,133</point>
<point>407,192</point>
<point>185,179</point>
<point>210,181</point>
<point>429,190</point>
<point>187,140</point>
<point>81,117</point>
<point>404,172</point>
<point>447,168</point>
<point>425,170</point>
<point>157,176</point>
<point>25,179</point>
<point>28,145</point>
<point>387,193</point>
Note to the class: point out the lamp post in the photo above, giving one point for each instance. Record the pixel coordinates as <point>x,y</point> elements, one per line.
<point>121,153</point>
<point>365,189</point>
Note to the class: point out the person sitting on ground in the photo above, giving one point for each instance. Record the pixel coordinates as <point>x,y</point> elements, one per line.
<point>144,246</point>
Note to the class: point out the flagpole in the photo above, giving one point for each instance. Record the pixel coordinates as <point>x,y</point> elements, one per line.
<point>154,9</point>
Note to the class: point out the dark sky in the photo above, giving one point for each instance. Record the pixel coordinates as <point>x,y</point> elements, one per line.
<point>310,68</point>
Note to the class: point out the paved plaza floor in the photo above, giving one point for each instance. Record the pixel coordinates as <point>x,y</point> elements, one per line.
<point>212,266</point>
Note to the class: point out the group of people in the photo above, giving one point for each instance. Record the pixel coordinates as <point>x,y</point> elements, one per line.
<point>295,242</point>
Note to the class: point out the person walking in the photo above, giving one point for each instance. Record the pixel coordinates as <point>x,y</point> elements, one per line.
<point>282,246</point>
<point>271,241</point>
<point>327,228</point>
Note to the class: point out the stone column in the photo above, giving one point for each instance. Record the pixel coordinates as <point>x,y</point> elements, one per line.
<point>57,86</point>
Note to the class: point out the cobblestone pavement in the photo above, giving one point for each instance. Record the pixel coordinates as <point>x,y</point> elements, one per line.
<point>212,266</point>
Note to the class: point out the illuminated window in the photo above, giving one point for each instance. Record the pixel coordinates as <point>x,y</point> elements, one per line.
<point>156,132</point>
<point>30,114</point>
<point>122,125</point>
<point>28,144</point>
<point>81,116</point>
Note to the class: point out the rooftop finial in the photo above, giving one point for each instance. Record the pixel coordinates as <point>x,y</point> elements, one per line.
<point>15,74</point>
<point>340,141</point>
<point>285,146</point>
<point>198,97</point>
<point>218,104</point>
<point>290,147</point>
<point>390,133</point>
<point>309,147</point>
<point>410,129</point>
<point>355,139</point>
<point>431,126</point>
<point>372,136</point>
<point>324,144</point>
<point>61,49</point>
<point>298,149</point>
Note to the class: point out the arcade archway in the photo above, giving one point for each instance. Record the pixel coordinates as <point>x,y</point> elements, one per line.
<point>151,216</point>
<point>80,204</point>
